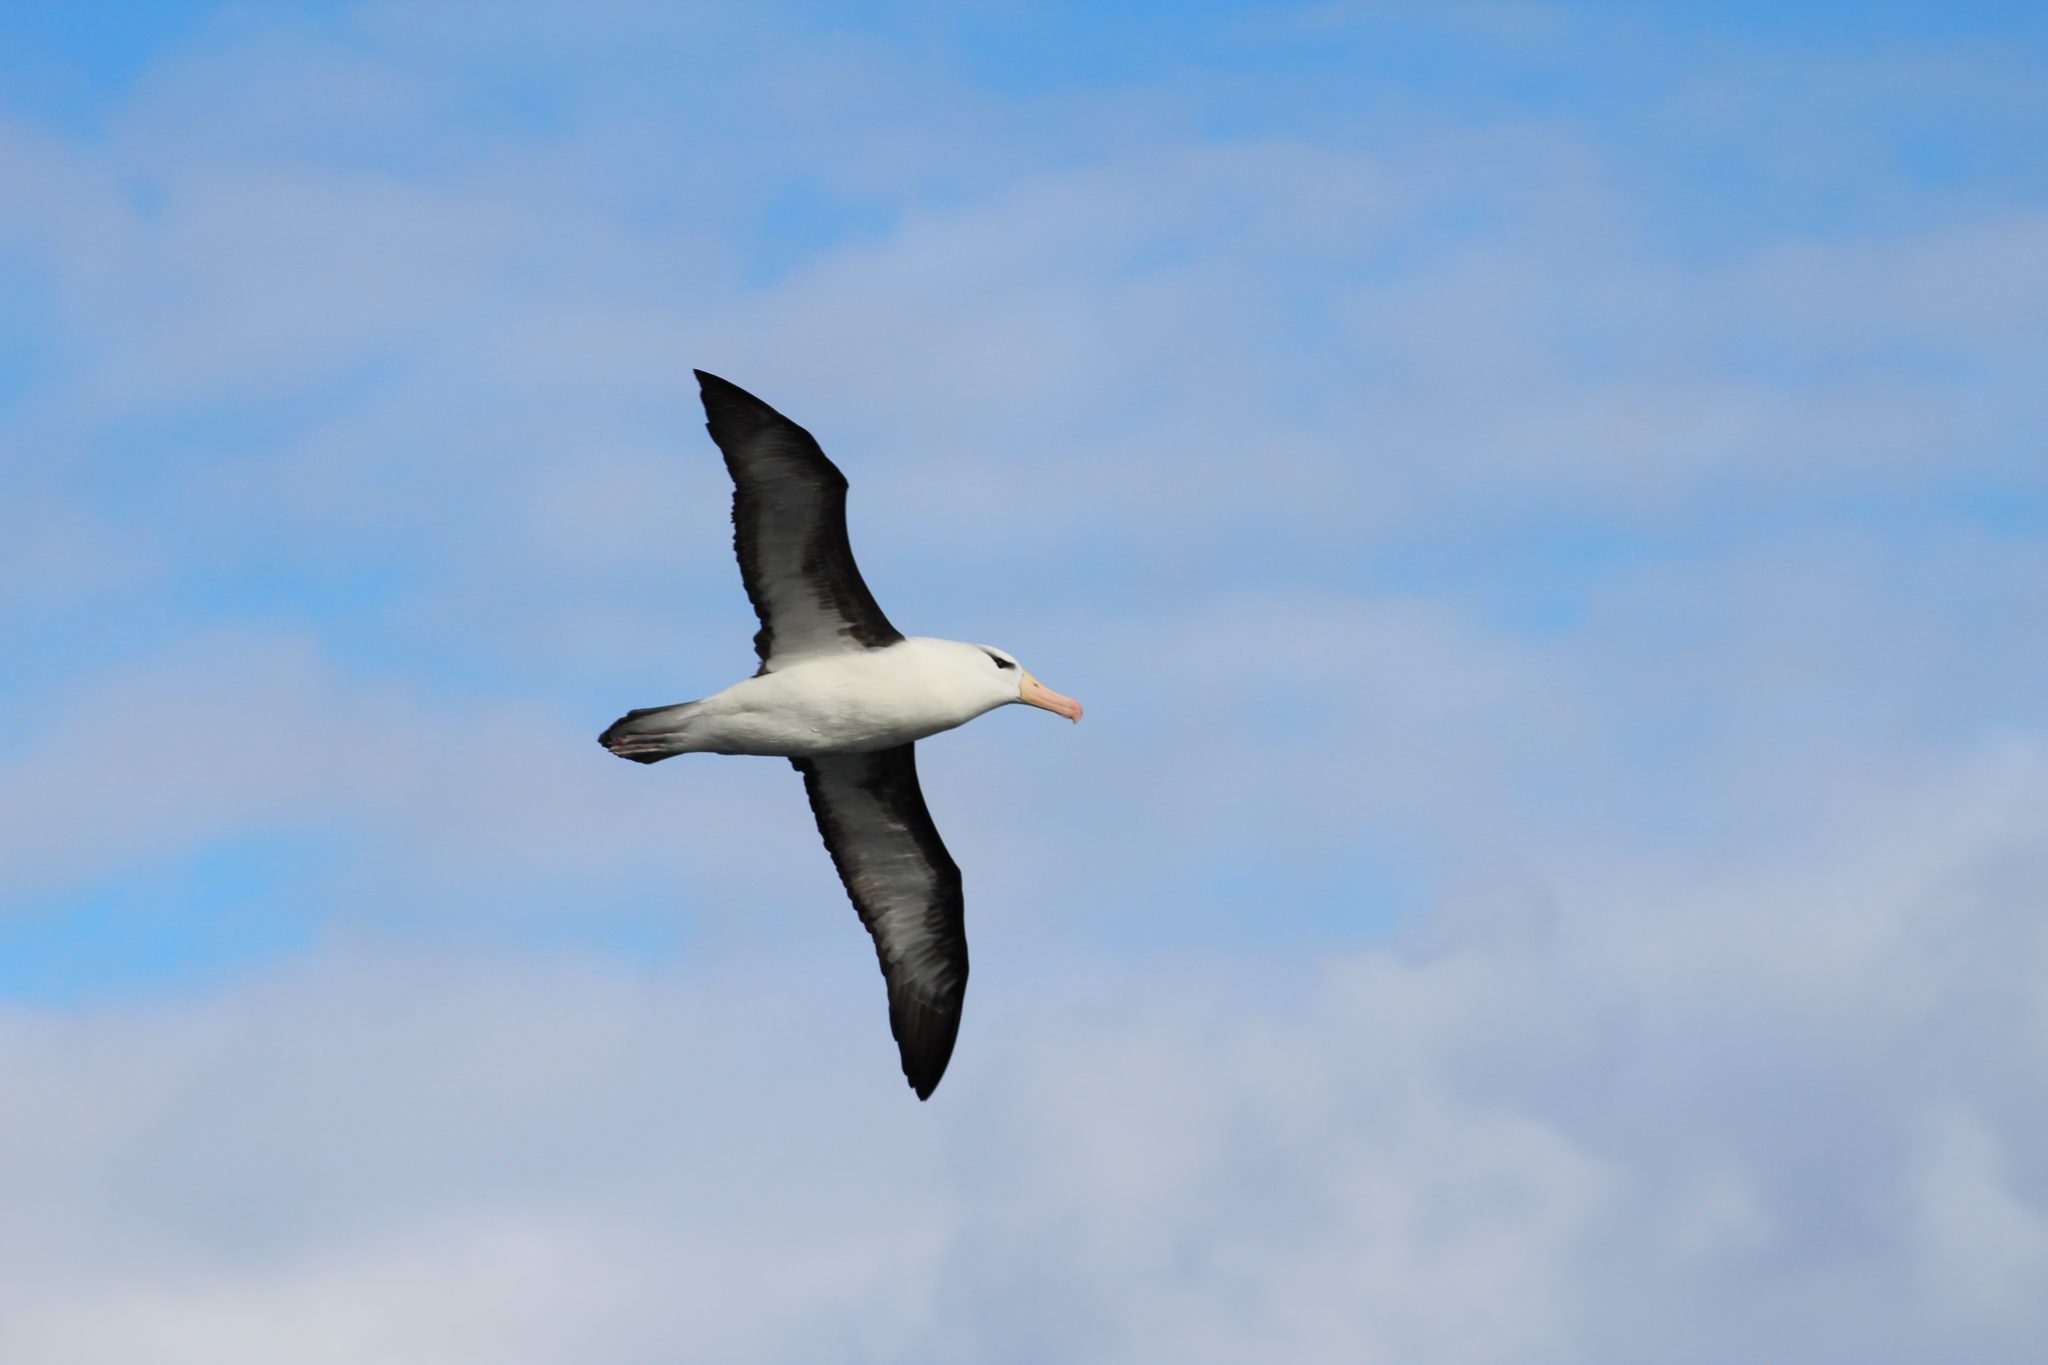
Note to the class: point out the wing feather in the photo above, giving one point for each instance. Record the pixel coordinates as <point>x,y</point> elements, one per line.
<point>789,532</point>
<point>906,887</point>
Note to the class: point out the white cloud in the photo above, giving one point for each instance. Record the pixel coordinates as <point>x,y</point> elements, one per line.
<point>1694,1110</point>
<point>1987,1246</point>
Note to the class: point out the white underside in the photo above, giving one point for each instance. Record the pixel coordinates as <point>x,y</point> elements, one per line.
<point>855,702</point>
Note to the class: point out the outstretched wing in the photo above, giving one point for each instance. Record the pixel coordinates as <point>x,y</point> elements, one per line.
<point>789,530</point>
<point>907,889</point>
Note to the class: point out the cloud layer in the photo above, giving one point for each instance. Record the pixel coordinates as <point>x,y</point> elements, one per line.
<point>1652,1111</point>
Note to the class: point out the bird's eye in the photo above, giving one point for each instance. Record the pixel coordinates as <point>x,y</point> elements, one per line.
<point>1000,662</point>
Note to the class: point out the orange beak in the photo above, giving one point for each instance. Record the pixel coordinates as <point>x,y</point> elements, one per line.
<point>1036,693</point>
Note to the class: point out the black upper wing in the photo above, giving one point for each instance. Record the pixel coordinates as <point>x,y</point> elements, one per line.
<point>789,530</point>
<point>907,889</point>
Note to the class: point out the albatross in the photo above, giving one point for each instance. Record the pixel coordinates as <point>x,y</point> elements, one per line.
<point>844,696</point>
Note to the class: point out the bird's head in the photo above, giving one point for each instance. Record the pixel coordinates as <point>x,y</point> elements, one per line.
<point>1015,683</point>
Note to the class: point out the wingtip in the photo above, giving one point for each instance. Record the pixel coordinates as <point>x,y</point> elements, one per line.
<point>922,1077</point>
<point>924,1042</point>
<point>729,407</point>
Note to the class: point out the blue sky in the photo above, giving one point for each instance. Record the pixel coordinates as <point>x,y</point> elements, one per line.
<point>1545,505</point>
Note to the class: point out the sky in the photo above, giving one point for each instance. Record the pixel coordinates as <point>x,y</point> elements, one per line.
<point>1546,506</point>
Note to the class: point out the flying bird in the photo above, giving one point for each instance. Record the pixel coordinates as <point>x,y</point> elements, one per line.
<point>844,696</point>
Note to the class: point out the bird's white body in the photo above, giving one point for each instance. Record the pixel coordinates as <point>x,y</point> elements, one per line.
<point>850,703</point>
<point>844,703</point>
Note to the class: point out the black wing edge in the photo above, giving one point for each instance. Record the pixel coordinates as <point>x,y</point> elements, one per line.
<point>925,1024</point>
<point>731,414</point>
<point>734,418</point>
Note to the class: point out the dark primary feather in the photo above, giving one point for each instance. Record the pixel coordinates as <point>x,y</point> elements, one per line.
<point>789,531</point>
<point>907,889</point>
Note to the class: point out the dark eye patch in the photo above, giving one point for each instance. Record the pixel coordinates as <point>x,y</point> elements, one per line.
<point>1000,662</point>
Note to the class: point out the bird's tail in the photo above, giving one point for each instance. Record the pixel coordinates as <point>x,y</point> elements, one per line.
<point>650,734</point>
